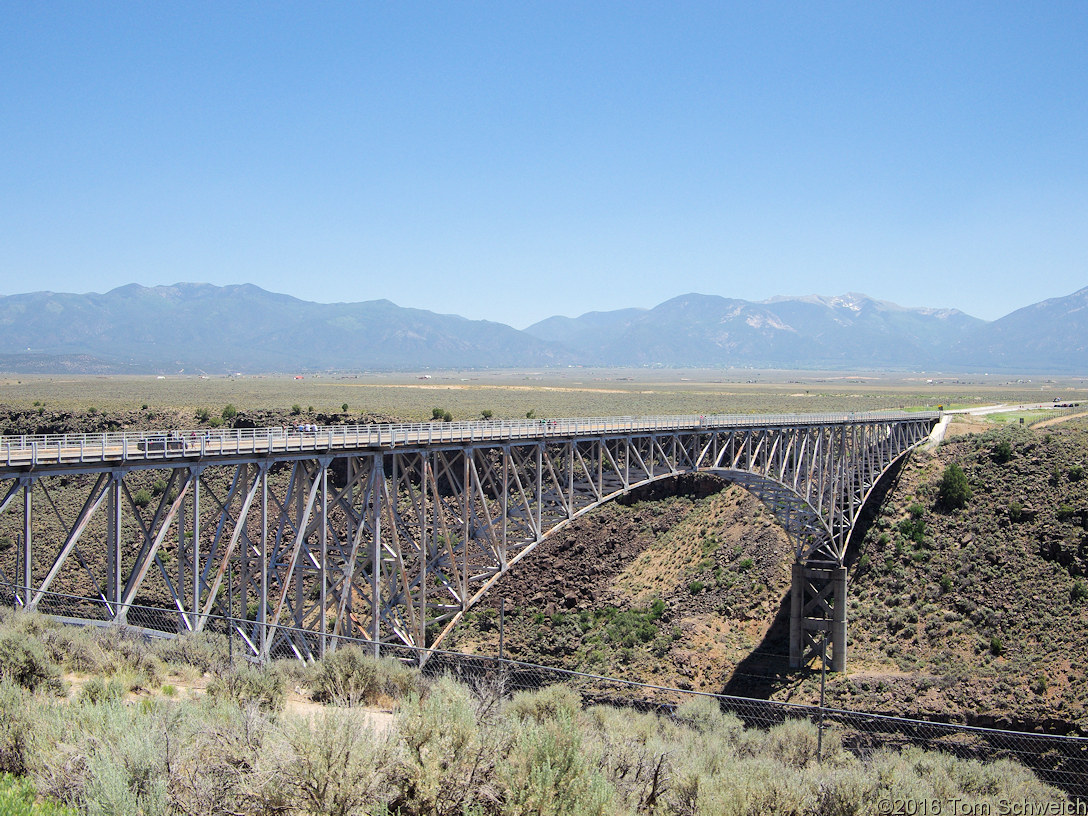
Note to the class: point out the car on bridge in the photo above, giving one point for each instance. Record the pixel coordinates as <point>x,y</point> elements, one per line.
<point>161,444</point>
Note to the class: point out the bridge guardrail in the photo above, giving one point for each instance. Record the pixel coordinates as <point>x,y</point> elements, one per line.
<point>136,446</point>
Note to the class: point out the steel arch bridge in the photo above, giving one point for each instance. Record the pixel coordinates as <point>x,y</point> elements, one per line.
<point>391,532</point>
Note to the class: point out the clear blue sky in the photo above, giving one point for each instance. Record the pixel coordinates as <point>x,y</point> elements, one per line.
<point>514,160</point>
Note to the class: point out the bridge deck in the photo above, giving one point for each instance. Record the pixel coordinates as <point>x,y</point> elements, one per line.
<point>35,451</point>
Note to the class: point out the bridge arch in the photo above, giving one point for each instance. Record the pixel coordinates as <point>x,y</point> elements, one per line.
<point>818,582</point>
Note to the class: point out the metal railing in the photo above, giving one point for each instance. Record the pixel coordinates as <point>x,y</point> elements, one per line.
<point>126,446</point>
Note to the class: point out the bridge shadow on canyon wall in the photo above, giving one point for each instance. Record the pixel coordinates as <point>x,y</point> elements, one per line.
<point>767,667</point>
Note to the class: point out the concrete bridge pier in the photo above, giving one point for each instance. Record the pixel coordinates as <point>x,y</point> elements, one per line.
<point>818,612</point>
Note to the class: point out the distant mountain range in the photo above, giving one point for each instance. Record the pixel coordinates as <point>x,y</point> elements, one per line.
<point>200,328</point>
<point>808,332</point>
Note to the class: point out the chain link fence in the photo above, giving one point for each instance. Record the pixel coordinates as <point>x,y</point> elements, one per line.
<point>1060,760</point>
<point>1065,409</point>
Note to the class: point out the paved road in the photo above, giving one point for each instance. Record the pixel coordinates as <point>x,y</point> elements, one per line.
<point>1004,408</point>
<point>936,437</point>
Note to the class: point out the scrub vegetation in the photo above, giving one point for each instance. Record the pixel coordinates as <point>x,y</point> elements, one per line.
<point>173,727</point>
<point>466,395</point>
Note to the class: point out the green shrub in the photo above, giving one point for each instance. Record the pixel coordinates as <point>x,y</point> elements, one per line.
<point>540,753</point>
<point>349,677</point>
<point>794,743</point>
<point>547,771</point>
<point>113,759</point>
<point>296,409</point>
<point>18,798</point>
<point>336,763</point>
<point>1079,592</point>
<point>630,627</point>
<point>225,759</point>
<point>96,691</point>
<point>23,661</point>
<point>141,498</point>
<point>953,492</point>
<point>130,658</point>
<point>15,727</point>
<point>203,414</point>
<point>915,769</point>
<point>695,587</point>
<point>703,714</point>
<point>913,529</point>
<point>229,412</point>
<point>1076,472</point>
<point>28,623</point>
<point>448,764</point>
<point>245,685</point>
<point>548,703</point>
<point>77,648</point>
<point>344,408</point>
<point>1002,452</point>
<point>997,647</point>
<point>203,650</point>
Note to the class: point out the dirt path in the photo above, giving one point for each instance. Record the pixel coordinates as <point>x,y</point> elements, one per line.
<point>1046,423</point>
<point>186,686</point>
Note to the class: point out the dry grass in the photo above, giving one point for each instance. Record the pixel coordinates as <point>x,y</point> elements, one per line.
<point>511,394</point>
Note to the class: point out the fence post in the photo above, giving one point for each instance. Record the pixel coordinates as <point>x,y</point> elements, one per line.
<point>823,679</point>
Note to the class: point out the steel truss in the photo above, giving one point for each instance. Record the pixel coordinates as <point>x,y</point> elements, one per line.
<point>395,542</point>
